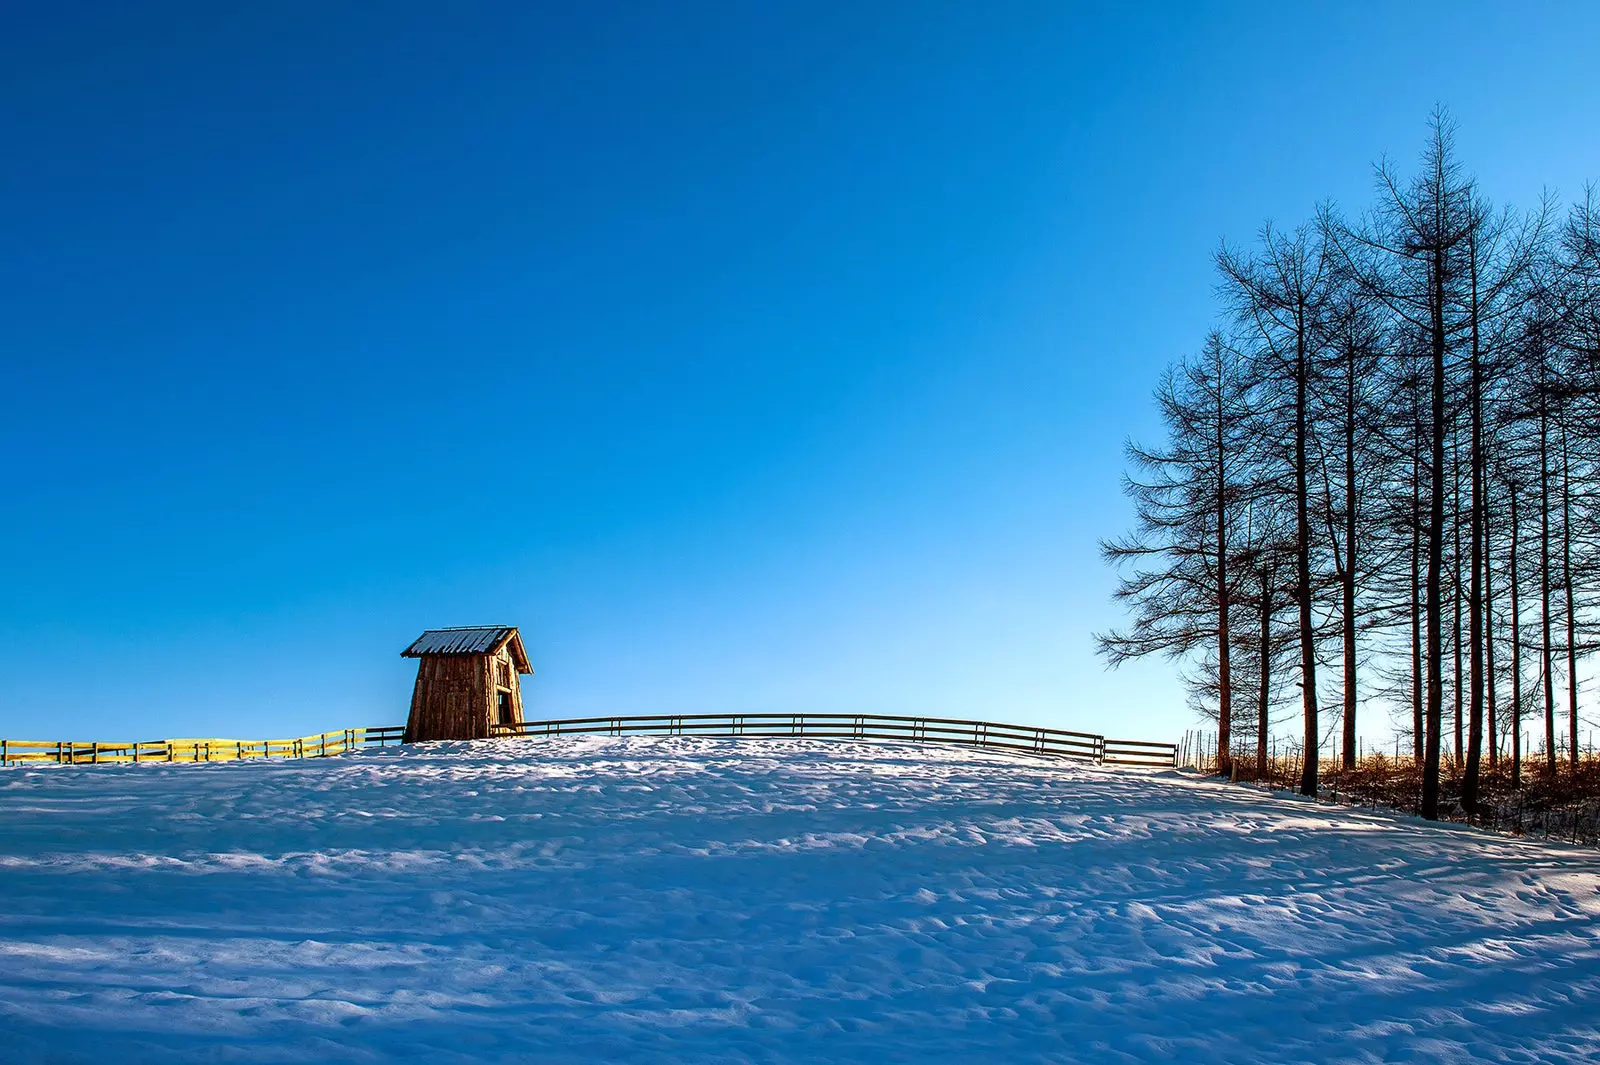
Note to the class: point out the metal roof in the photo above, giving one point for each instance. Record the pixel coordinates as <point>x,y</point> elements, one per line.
<point>470,640</point>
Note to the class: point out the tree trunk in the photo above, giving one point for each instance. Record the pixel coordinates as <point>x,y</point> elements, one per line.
<point>1469,785</point>
<point>1516,652</point>
<point>1308,651</point>
<point>1566,580</point>
<point>1419,732</point>
<point>1224,666</point>
<point>1457,689</point>
<point>1349,575</point>
<point>1544,583</point>
<point>1267,577</point>
<point>1491,704</point>
<point>1435,653</point>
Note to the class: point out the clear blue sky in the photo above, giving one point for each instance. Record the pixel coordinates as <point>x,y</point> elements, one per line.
<point>750,356</point>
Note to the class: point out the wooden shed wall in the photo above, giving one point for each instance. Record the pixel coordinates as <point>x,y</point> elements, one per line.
<point>456,696</point>
<point>452,699</point>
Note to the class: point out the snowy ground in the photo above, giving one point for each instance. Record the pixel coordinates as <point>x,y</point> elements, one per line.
<point>662,900</point>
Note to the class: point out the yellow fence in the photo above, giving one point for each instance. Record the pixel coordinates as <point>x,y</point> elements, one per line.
<point>322,745</point>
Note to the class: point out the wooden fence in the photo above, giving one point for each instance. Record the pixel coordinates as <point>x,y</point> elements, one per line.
<point>1028,739</point>
<point>322,745</point>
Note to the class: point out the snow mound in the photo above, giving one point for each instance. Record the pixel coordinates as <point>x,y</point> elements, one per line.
<point>666,900</point>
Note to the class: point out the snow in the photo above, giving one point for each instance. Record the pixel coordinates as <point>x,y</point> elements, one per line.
<point>667,899</point>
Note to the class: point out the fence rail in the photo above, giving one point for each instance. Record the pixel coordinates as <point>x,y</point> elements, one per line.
<point>1139,752</point>
<point>1026,739</point>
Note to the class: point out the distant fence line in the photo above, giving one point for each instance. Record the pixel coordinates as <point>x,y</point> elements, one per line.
<point>1026,739</point>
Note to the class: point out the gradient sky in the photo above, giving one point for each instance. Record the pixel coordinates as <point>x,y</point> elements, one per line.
<point>749,356</point>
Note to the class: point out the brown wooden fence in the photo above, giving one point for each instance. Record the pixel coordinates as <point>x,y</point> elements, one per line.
<point>1027,739</point>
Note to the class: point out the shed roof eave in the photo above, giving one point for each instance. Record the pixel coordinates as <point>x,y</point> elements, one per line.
<point>471,641</point>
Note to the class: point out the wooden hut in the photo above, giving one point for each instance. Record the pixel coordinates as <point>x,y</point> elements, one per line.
<point>467,682</point>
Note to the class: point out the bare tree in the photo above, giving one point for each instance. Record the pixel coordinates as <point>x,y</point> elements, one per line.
<point>1176,568</point>
<point>1355,462</point>
<point>1499,254</point>
<point>1363,446</point>
<point>1406,255</point>
<point>1281,296</point>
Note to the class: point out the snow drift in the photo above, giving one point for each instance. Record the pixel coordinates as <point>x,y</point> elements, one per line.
<point>660,899</point>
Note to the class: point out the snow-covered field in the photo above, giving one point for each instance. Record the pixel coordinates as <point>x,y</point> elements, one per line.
<point>665,900</point>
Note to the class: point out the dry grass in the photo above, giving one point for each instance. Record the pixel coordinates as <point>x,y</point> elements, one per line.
<point>1563,805</point>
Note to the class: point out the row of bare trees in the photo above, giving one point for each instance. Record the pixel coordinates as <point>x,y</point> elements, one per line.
<point>1380,483</point>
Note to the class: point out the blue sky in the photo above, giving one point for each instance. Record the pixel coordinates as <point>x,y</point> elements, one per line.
<point>749,356</point>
